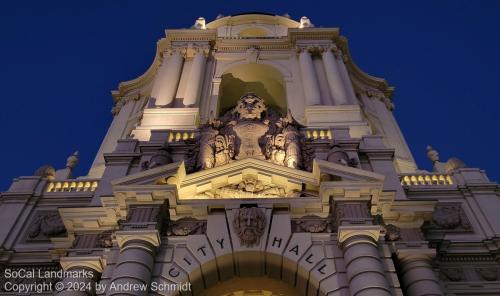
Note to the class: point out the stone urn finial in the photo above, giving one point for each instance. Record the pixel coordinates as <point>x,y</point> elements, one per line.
<point>72,160</point>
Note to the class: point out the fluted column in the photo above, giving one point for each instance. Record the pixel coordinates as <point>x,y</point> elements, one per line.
<point>351,97</point>
<point>195,81</point>
<point>167,79</point>
<point>418,278</point>
<point>365,272</point>
<point>309,80</point>
<point>334,78</point>
<point>88,269</point>
<point>136,260</point>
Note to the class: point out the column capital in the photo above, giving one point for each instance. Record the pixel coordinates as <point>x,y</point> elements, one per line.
<point>93,262</point>
<point>175,51</point>
<point>346,232</point>
<point>310,48</point>
<point>149,236</point>
<point>195,49</point>
<point>414,254</point>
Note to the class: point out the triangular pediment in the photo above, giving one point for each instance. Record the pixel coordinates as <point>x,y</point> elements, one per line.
<point>248,178</point>
<point>156,176</point>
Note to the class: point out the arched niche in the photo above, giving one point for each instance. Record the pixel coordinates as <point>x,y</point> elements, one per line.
<point>263,80</point>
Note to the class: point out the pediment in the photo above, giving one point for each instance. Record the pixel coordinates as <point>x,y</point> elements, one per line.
<point>248,178</point>
<point>157,176</point>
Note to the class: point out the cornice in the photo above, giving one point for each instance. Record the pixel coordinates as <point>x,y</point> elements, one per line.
<point>252,19</point>
<point>366,79</point>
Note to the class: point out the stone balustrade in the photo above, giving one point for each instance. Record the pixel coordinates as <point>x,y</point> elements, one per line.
<point>426,179</point>
<point>177,136</point>
<point>72,186</point>
<point>317,134</point>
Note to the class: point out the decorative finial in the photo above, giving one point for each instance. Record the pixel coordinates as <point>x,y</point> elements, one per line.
<point>200,23</point>
<point>72,160</point>
<point>220,15</point>
<point>287,15</point>
<point>305,22</point>
<point>432,154</point>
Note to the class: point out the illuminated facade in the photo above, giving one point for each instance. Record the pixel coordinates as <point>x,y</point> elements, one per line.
<point>255,158</point>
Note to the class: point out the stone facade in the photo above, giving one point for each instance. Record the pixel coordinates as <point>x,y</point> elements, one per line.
<point>253,158</point>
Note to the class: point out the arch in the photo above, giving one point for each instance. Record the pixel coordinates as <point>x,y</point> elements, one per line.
<point>264,80</point>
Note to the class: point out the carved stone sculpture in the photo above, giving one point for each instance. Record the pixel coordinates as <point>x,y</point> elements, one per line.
<point>453,274</point>
<point>450,216</point>
<point>392,232</point>
<point>224,149</point>
<point>338,155</point>
<point>161,157</point>
<point>488,273</point>
<point>46,225</point>
<point>313,224</point>
<point>185,226</point>
<point>105,239</point>
<point>248,188</point>
<point>46,171</point>
<point>249,225</point>
<point>250,129</point>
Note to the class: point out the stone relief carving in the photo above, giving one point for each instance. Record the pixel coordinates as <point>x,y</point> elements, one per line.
<point>250,187</point>
<point>185,226</point>
<point>162,157</point>
<point>313,224</point>
<point>453,274</point>
<point>449,216</point>
<point>249,225</point>
<point>392,232</point>
<point>338,155</point>
<point>488,273</point>
<point>94,240</point>
<point>250,129</point>
<point>46,225</point>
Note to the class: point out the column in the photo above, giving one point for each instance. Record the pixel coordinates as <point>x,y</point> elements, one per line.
<point>136,260</point>
<point>351,97</point>
<point>335,82</point>
<point>89,269</point>
<point>167,78</point>
<point>195,80</point>
<point>365,272</point>
<point>309,81</point>
<point>417,276</point>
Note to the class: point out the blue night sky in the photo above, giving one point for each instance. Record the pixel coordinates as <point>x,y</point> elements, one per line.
<point>60,60</point>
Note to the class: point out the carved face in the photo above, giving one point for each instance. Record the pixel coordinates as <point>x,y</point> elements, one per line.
<point>250,106</point>
<point>249,225</point>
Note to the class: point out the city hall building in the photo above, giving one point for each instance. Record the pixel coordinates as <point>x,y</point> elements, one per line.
<point>253,157</point>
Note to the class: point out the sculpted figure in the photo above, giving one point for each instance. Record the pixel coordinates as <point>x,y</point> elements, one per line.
<point>161,157</point>
<point>275,148</point>
<point>249,225</point>
<point>224,149</point>
<point>250,106</point>
<point>206,154</point>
